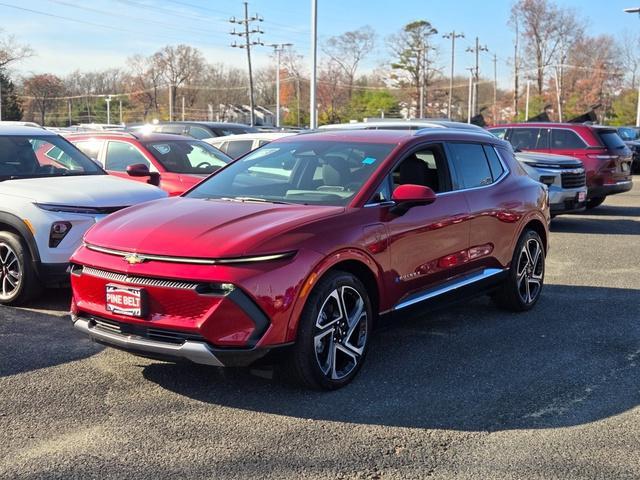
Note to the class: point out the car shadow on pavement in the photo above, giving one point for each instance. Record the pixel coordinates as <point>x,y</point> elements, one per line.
<point>597,225</point>
<point>612,210</point>
<point>572,360</point>
<point>41,335</point>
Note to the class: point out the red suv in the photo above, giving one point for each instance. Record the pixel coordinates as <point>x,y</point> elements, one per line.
<point>172,162</point>
<point>301,245</point>
<point>606,158</point>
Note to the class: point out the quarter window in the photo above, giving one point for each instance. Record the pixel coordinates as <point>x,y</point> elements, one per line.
<point>471,165</point>
<point>494,162</point>
<point>565,140</point>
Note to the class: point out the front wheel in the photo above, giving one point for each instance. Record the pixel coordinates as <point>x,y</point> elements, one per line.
<point>18,280</point>
<point>521,290</point>
<point>333,333</point>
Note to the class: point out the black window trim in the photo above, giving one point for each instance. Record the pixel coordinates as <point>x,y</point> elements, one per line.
<point>550,128</point>
<point>416,148</point>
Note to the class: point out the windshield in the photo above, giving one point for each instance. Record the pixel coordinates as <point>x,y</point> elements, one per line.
<point>24,156</point>
<point>188,156</point>
<point>304,172</point>
<point>628,134</point>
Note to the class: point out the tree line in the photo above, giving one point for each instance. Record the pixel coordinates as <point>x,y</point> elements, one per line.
<point>556,65</point>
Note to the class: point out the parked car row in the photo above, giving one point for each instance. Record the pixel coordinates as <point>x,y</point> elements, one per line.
<point>296,249</point>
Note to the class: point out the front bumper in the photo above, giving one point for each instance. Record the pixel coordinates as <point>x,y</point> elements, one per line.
<point>611,189</point>
<point>564,200</point>
<point>151,345</point>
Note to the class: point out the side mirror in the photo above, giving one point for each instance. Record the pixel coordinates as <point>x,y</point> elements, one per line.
<point>141,170</point>
<point>409,195</point>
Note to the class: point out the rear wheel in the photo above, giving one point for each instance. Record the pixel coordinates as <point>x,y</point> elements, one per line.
<point>521,290</point>
<point>333,334</point>
<point>18,280</point>
<point>594,202</point>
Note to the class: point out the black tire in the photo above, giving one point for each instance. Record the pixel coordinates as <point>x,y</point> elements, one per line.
<point>594,202</point>
<point>318,336</point>
<point>523,286</point>
<point>18,280</point>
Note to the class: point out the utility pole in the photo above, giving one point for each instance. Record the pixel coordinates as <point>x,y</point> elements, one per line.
<point>298,97</point>
<point>0,102</point>
<point>421,69</point>
<point>313,113</point>
<point>495,88</point>
<point>515,74</point>
<point>248,31</point>
<point>477,49</point>
<point>526,107</point>
<point>452,35</point>
<point>469,115</point>
<point>108,100</point>
<point>69,108</point>
<point>120,109</point>
<point>171,103</point>
<point>278,48</point>
<point>558,95</point>
<point>183,108</point>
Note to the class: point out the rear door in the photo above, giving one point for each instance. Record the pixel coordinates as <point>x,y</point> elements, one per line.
<point>564,141</point>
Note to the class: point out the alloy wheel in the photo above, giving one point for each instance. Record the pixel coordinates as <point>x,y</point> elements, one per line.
<point>341,332</point>
<point>10,272</point>
<point>530,271</point>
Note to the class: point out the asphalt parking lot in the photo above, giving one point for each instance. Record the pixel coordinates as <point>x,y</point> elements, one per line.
<point>470,392</point>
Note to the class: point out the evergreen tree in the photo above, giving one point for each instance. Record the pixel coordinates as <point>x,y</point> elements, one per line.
<point>11,107</point>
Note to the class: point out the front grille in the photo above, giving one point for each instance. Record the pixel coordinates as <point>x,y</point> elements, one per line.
<point>574,180</point>
<point>134,280</point>
<point>150,333</point>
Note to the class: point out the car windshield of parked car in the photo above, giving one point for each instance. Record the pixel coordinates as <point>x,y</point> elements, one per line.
<point>23,156</point>
<point>188,156</point>
<point>303,172</point>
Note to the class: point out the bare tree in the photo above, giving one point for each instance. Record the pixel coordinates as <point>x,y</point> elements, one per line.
<point>547,31</point>
<point>43,90</point>
<point>348,50</point>
<point>12,51</point>
<point>630,49</point>
<point>179,65</point>
<point>144,80</point>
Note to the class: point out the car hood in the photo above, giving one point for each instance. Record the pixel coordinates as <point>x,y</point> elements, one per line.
<point>82,191</point>
<point>198,228</point>
<point>549,159</point>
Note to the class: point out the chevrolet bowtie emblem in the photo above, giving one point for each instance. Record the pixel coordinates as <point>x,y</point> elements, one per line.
<point>133,259</point>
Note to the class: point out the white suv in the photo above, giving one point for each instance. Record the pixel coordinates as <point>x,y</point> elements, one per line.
<point>50,194</point>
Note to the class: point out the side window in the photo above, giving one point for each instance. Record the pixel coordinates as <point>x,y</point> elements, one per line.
<point>543,139</point>
<point>524,138</point>
<point>425,167</point>
<point>565,140</point>
<point>494,162</point>
<point>471,164</point>
<point>200,133</point>
<point>91,148</point>
<point>120,155</point>
<point>175,129</point>
<point>238,148</point>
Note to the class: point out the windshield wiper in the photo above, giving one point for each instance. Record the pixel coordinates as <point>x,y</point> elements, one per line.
<point>254,199</point>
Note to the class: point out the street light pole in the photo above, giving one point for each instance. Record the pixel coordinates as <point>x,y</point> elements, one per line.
<point>278,48</point>
<point>313,113</point>
<point>452,35</point>
<point>108,100</point>
<point>477,51</point>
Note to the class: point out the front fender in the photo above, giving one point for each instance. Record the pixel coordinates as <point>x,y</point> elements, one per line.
<point>319,270</point>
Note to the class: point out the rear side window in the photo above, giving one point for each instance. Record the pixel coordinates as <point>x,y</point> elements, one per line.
<point>528,138</point>
<point>200,133</point>
<point>471,165</point>
<point>91,148</point>
<point>120,155</point>
<point>238,148</point>
<point>565,140</point>
<point>611,139</point>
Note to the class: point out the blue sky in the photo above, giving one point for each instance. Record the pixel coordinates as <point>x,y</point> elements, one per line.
<point>106,32</point>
